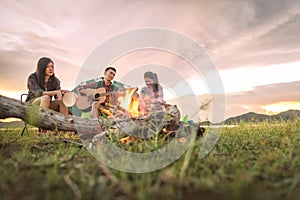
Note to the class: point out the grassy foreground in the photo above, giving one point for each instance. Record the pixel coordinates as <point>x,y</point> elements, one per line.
<point>248,162</point>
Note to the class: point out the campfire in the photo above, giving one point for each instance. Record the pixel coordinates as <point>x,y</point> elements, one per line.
<point>131,118</point>
<point>130,105</point>
<point>130,102</point>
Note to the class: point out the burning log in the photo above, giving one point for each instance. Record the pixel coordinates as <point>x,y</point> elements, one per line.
<point>117,110</point>
<point>146,126</point>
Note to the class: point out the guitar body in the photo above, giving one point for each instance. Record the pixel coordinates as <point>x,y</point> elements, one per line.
<point>86,97</point>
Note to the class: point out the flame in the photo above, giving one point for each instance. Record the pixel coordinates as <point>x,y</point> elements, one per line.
<point>125,139</point>
<point>128,139</point>
<point>129,101</point>
<point>134,106</point>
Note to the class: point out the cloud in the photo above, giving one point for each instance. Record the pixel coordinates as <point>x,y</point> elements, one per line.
<point>260,31</point>
<point>239,102</point>
<point>235,34</point>
<point>275,93</point>
<point>253,100</point>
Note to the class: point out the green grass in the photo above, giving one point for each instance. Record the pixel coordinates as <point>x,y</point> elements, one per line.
<point>260,161</point>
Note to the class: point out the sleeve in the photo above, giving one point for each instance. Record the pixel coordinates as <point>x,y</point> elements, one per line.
<point>118,85</point>
<point>115,87</point>
<point>34,87</point>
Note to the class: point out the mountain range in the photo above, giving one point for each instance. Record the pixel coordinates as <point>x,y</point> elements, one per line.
<point>255,117</point>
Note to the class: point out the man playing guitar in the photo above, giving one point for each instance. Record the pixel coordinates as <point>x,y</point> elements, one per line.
<point>98,93</point>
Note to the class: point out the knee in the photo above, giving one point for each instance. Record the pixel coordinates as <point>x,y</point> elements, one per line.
<point>46,98</point>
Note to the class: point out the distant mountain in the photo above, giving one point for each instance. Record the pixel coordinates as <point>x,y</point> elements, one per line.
<point>254,117</point>
<point>290,114</point>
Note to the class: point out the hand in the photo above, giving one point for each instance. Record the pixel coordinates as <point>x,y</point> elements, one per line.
<point>64,91</point>
<point>59,94</point>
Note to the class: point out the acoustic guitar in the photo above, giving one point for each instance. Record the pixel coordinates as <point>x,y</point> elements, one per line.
<point>87,96</point>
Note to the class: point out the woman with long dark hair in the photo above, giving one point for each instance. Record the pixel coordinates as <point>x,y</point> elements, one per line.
<point>44,88</point>
<point>152,94</point>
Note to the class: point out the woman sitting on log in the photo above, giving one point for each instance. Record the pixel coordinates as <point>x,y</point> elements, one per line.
<point>43,86</point>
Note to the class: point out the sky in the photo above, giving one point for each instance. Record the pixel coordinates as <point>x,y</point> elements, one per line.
<point>253,45</point>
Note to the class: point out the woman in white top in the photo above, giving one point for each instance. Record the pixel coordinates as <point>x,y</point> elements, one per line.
<point>152,94</point>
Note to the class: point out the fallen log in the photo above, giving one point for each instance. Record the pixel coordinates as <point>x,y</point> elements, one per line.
<point>52,120</point>
<point>42,117</point>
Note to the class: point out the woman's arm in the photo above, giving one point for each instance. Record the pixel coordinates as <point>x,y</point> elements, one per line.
<point>37,91</point>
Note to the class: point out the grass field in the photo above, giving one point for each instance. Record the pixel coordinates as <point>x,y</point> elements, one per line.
<point>260,161</point>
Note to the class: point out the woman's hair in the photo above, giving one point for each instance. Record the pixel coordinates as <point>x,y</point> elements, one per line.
<point>40,71</point>
<point>152,76</point>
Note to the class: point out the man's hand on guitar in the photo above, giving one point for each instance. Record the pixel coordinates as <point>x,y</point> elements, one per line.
<point>87,96</point>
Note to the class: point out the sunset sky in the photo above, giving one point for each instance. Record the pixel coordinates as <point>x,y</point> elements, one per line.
<point>254,45</point>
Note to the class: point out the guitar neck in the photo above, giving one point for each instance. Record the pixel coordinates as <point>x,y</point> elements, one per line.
<point>111,92</point>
